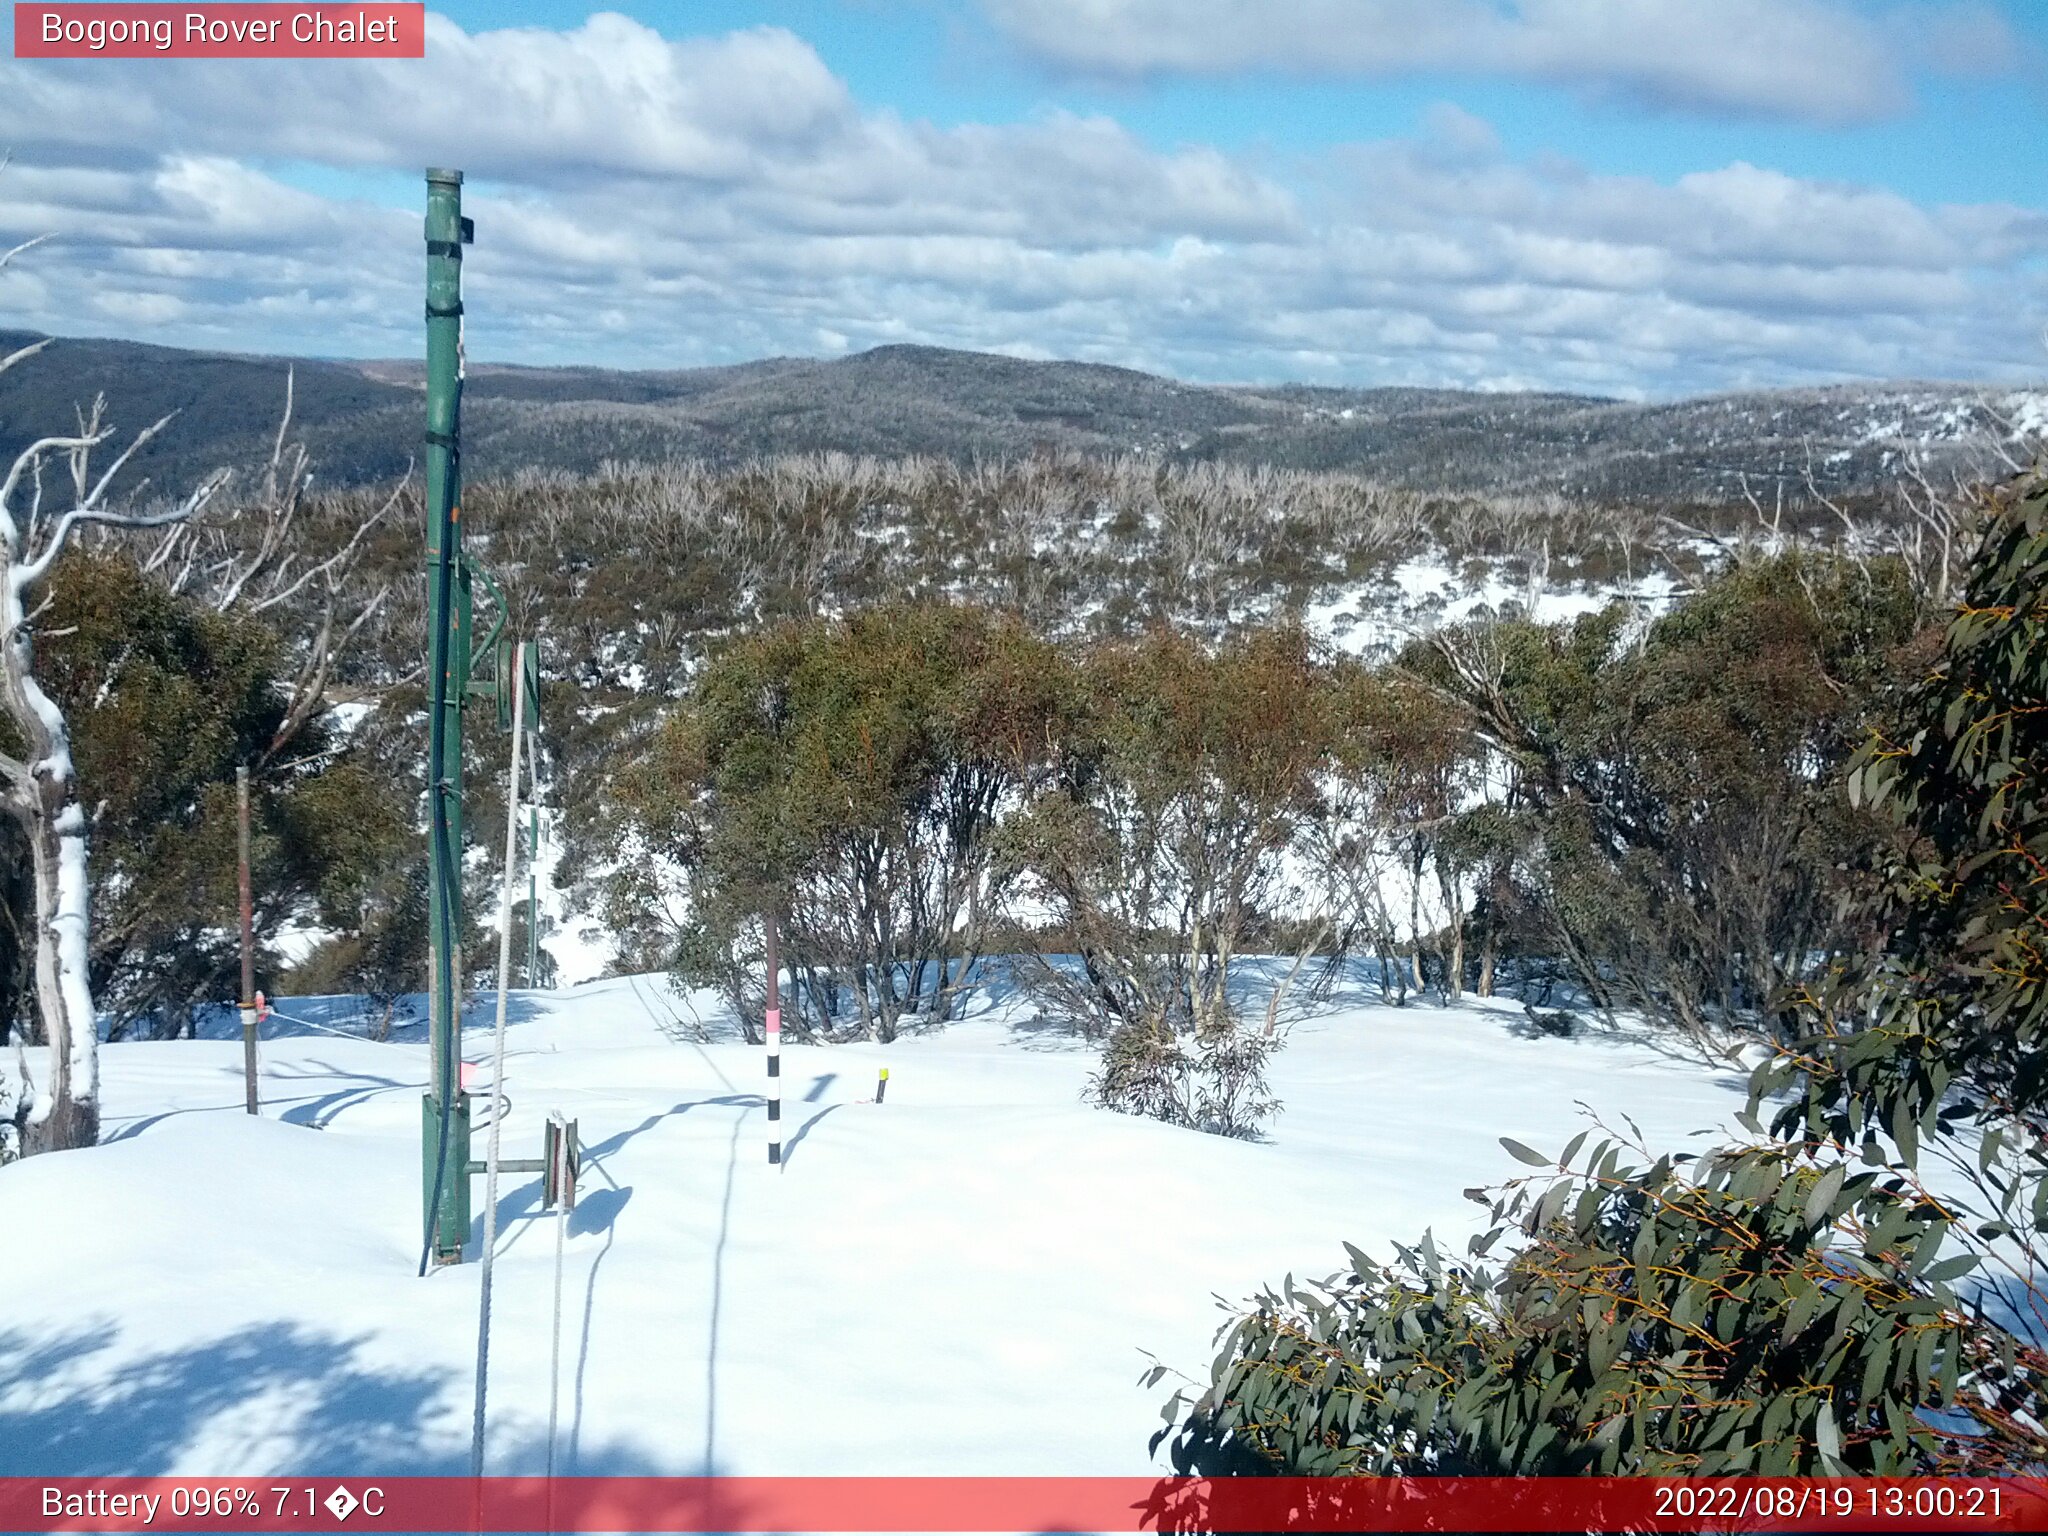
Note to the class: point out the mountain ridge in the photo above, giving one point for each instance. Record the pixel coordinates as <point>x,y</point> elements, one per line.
<point>360,419</point>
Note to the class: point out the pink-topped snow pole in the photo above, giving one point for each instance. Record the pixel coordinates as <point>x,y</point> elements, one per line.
<point>774,1023</point>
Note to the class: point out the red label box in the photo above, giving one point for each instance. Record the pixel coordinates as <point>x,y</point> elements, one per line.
<point>1170,1506</point>
<point>370,30</point>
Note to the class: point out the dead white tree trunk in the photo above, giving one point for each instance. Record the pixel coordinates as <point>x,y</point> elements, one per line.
<point>40,786</point>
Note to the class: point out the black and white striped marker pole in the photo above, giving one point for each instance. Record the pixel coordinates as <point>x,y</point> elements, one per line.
<point>774,1023</point>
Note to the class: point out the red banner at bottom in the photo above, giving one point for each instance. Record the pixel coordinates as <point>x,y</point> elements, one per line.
<point>1022,1504</point>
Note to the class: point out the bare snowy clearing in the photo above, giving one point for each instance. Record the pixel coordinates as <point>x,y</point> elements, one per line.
<point>983,1255</point>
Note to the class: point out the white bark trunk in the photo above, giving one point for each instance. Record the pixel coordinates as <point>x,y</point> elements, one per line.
<point>66,1108</point>
<point>62,1110</point>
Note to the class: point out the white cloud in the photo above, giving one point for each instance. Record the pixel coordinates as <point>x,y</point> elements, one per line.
<point>653,203</point>
<point>140,310</point>
<point>1805,59</point>
<point>608,98</point>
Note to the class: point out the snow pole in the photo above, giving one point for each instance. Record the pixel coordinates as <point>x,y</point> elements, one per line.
<point>491,1158</point>
<point>882,1086</point>
<point>248,937</point>
<point>774,1023</point>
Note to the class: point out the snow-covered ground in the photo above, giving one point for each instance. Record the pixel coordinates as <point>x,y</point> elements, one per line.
<point>964,1279</point>
<point>1424,593</point>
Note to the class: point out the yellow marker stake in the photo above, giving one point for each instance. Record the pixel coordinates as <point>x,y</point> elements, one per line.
<point>882,1087</point>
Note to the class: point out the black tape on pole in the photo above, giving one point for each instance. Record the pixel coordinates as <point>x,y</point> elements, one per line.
<point>774,1022</point>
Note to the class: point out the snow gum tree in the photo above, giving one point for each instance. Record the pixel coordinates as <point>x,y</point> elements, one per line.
<point>58,1108</point>
<point>1405,765</point>
<point>850,775</point>
<point>1159,852</point>
<point>1680,840</point>
<point>165,697</point>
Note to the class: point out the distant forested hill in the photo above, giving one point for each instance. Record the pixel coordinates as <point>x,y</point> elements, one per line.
<point>362,420</point>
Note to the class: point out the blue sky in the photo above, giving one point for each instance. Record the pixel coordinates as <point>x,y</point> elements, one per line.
<point>1970,139</point>
<point>1635,197</point>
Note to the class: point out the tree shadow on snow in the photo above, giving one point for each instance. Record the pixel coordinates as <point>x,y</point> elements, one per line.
<point>75,1404</point>
<point>321,1112</point>
<point>315,1111</point>
<point>1047,1032</point>
<point>618,1139</point>
<point>354,1016</point>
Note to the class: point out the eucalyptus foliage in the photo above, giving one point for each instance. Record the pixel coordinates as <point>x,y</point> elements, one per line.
<point>166,697</point>
<point>1744,1313</point>
<point>1931,1052</point>
<point>848,774</point>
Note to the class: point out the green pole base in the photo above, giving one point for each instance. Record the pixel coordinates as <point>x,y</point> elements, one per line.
<point>451,1231</point>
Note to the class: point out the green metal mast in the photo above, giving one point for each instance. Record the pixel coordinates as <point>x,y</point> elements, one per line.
<point>445,1159</point>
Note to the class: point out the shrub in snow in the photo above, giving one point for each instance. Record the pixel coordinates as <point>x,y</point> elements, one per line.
<point>1938,1035</point>
<point>1555,1022</point>
<point>1211,1080</point>
<point>194,582</point>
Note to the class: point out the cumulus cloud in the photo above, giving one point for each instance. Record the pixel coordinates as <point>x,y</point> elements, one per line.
<point>1816,60</point>
<point>608,98</point>
<point>655,203</point>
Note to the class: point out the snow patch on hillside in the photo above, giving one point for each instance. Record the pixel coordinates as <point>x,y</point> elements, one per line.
<point>1425,593</point>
